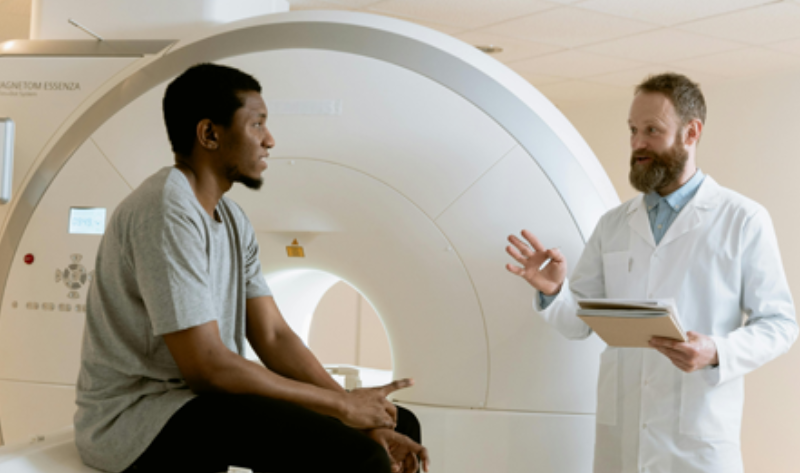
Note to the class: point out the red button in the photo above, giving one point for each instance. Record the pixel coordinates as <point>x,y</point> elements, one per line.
<point>29,258</point>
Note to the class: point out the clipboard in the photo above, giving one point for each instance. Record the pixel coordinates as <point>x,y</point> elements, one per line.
<point>632,323</point>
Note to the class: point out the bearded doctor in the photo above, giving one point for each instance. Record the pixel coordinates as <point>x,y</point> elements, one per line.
<point>675,408</point>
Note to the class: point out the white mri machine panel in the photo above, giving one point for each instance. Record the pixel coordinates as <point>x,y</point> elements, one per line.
<point>525,350</point>
<point>30,410</point>
<point>40,344</point>
<point>60,82</point>
<point>407,194</point>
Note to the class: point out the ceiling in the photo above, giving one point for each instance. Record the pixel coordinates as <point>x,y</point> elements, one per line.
<point>579,50</point>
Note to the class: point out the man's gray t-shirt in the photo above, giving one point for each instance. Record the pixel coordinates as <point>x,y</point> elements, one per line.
<point>163,265</point>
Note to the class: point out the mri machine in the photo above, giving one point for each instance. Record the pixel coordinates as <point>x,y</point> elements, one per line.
<point>404,158</point>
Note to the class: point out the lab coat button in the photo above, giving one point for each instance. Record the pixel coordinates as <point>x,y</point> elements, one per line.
<point>644,426</point>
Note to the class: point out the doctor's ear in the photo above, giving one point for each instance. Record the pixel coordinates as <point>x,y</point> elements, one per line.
<point>207,134</point>
<point>692,132</point>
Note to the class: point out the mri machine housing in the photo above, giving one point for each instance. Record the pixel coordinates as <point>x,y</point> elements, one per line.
<point>404,157</point>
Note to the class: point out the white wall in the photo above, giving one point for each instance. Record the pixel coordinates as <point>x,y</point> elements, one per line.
<point>751,144</point>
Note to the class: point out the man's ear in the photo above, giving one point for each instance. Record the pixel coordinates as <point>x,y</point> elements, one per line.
<point>692,133</point>
<point>207,134</point>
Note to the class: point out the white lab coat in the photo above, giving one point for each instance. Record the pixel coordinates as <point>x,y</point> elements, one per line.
<point>720,261</point>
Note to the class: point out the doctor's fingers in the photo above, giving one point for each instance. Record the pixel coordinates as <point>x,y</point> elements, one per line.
<point>672,354</point>
<point>521,246</point>
<point>518,257</point>
<point>556,255</point>
<point>535,243</point>
<point>514,253</point>
<point>684,361</point>
<point>515,270</point>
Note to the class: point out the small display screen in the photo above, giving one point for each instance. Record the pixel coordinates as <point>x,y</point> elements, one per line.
<point>87,221</point>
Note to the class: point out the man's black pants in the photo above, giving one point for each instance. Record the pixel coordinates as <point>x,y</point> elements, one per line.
<point>214,431</point>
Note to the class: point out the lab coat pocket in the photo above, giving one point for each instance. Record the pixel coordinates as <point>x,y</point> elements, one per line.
<point>607,387</point>
<point>616,267</point>
<point>711,412</point>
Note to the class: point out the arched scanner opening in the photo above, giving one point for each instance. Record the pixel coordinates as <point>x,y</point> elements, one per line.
<point>338,324</point>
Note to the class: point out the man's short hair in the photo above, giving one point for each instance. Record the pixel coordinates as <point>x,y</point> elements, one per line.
<point>203,91</point>
<point>684,94</point>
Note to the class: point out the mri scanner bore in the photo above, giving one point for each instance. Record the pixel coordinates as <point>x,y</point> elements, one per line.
<point>409,210</point>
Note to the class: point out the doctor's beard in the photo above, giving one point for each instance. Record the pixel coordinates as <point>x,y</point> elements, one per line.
<point>664,168</point>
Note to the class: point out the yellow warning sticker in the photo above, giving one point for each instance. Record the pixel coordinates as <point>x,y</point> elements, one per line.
<point>295,250</point>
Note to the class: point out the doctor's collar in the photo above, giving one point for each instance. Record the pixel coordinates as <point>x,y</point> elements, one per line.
<point>678,199</point>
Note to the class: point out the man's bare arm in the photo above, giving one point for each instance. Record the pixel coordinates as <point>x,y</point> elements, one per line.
<point>280,349</point>
<point>208,365</point>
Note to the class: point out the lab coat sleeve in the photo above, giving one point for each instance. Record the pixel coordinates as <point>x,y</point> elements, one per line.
<point>771,327</point>
<point>587,282</point>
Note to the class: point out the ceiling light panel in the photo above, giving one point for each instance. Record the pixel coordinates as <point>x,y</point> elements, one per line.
<point>573,64</point>
<point>569,27</point>
<point>669,12</point>
<point>513,49</point>
<point>663,45</point>
<point>462,13</point>
<point>742,62</point>
<point>762,25</point>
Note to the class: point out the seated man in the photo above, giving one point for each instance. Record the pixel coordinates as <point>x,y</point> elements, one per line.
<point>163,384</point>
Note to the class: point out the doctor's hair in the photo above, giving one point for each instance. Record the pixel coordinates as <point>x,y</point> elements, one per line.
<point>684,94</point>
<point>203,91</point>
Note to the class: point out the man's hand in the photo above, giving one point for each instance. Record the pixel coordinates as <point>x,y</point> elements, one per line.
<point>548,280</point>
<point>699,352</point>
<point>404,452</point>
<point>369,409</point>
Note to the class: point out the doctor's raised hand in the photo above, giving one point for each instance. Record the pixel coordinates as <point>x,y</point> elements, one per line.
<point>545,276</point>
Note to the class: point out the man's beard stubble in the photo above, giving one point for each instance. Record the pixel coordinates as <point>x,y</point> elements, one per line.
<point>234,175</point>
<point>664,169</point>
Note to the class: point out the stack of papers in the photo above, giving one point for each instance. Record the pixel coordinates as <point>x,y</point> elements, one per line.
<point>632,323</point>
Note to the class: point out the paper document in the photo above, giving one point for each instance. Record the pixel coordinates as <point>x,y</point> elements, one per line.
<point>632,323</point>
